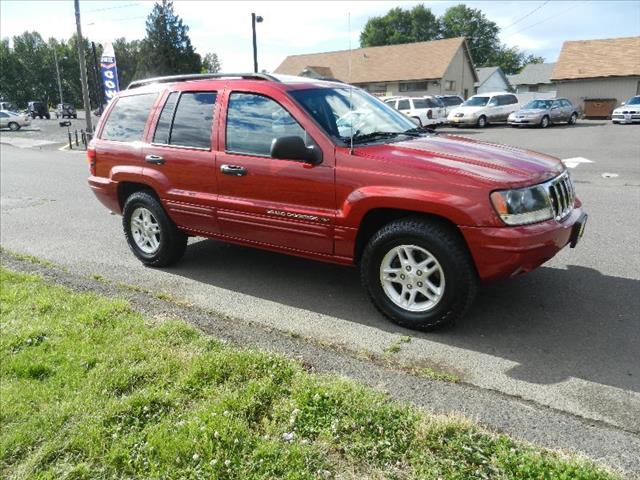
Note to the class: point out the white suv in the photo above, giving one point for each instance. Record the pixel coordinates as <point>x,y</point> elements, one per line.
<point>425,110</point>
<point>484,108</point>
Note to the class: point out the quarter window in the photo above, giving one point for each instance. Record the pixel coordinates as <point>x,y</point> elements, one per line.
<point>254,121</point>
<point>128,118</point>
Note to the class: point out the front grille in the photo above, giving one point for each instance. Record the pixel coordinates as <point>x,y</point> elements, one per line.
<point>562,196</point>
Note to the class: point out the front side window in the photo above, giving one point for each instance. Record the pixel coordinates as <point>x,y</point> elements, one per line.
<point>538,104</point>
<point>404,105</point>
<point>420,103</point>
<point>476,102</point>
<point>128,118</point>
<point>343,112</point>
<point>254,121</point>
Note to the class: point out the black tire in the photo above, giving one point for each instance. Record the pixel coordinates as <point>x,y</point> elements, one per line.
<point>482,122</point>
<point>48,115</point>
<point>75,116</point>
<point>449,250</point>
<point>545,122</point>
<point>573,119</point>
<point>13,126</point>
<point>173,242</point>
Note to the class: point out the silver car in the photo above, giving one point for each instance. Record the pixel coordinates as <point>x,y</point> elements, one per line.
<point>542,113</point>
<point>13,120</point>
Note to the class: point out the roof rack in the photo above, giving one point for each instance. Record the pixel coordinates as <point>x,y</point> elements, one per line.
<point>200,76</point>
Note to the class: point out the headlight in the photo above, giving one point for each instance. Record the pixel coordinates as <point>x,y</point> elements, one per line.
<point>523,206</point>
<point>459,115</point>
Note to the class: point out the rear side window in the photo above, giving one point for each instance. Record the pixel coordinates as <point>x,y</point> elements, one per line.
<point>254,121</point>
<point>128,117</point>
<point>403,105</point>
<point>508,99</point>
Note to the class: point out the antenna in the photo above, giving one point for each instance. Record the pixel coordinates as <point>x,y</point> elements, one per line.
<point>350,89</point>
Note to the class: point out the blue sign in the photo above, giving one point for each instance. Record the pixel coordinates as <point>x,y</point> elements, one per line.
<point>109,72</point>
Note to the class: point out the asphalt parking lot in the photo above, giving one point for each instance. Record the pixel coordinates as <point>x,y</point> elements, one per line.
<point>565,336</point>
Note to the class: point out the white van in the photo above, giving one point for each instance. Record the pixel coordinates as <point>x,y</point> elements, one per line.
<point>426,111</point>
<point>483,109</point>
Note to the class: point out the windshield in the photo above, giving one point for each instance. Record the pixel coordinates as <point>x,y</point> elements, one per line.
<point>476,102</point>
<point>634,100</point>
<point>535,104</point>
<point>342,112</point>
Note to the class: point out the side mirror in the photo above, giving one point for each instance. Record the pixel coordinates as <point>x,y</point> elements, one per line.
<point>293,148</point>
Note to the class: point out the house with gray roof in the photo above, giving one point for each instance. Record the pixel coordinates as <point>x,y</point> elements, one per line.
<point>491,79</point>
<point>534,77</point>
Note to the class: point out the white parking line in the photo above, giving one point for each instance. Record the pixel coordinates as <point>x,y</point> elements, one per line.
<point>575,161</point>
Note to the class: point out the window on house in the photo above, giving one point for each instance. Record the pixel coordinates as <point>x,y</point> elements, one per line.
<point>413,86</point>
<point>450,85</point>
<point>533,88</point>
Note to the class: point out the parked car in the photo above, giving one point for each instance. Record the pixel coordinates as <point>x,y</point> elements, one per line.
<point>485,108</point>
<point>38,109</point>
<point>423,111</point>
<point>259,160</point>
<point>13,120</point>
<point>66,110</point>
<point>628,112</point>
<point>10,106</point>
<point>450,101</point>
<point>542,113</point>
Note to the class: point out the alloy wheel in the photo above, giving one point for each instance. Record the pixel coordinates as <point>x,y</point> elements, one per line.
<point>145,230</point>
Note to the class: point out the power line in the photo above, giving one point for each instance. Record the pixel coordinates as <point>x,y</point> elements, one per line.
<point>547,19</point>
<point>112,8</point>
<point>527,15</point>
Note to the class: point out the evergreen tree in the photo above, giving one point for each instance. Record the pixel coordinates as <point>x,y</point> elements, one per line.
<point>167,47</point>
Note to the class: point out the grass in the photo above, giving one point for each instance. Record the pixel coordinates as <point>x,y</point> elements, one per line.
<point>91,389</point>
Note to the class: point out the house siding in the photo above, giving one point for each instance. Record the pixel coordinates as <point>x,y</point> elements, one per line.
<point>542,88</point>
<point>461,72</point>
<point>495,83</point>
<point>619,89</point>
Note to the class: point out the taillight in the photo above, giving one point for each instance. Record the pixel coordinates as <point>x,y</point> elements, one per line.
<point>91,158</point>
<point>429,114</point>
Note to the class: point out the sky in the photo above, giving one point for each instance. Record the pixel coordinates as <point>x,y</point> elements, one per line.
<point>295,27</point>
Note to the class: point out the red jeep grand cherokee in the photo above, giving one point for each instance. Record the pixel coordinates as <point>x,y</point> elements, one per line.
<point>325,171</point>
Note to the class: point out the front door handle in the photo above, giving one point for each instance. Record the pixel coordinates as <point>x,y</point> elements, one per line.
<point>234,170</point>
<point>154,159</point>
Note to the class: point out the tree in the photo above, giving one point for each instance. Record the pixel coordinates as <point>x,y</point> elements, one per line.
<point>211,63</point>
<point>167,47</point>
<point>511,60</point>
<point>480,32</point>
<point>400,26</point>
<point>128,56</point>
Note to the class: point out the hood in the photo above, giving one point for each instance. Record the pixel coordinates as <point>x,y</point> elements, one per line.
<point>466,110</point>
<point>498,166</point>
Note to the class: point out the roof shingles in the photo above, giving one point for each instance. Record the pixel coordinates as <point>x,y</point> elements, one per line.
<point>408,61</point>
<point>613,57</point>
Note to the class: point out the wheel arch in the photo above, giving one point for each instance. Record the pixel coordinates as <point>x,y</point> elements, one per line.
<point>128,188</point>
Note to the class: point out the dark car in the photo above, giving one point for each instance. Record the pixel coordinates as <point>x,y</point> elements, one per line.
<point>38,109</point>
<point>66,110</point>
<point>326,171</point>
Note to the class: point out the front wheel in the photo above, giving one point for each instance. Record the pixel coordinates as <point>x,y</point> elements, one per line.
<point>419,273</point>
<point>14,127</point>
<point>151,234</point>
<point>482,122</point>
<point>573,119</point>
<point>544,122</point>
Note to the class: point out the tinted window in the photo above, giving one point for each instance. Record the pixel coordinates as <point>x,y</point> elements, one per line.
<point>163,128</point>
<point>403,105</point>
<point>254,121</point>
<point>508,99</point>
<point>128,117</point>
<point>192,120</point>
<point>420,103</point>
<point>450,101</point>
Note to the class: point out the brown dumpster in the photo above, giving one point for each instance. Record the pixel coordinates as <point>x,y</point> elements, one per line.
<point>599,107</point>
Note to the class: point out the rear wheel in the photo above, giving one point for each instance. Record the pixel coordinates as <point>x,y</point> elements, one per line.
<point>482,122</point>
<point>151,234</point>
<point>13,126</point>
<point>544,122</point>
<point>419,273</point>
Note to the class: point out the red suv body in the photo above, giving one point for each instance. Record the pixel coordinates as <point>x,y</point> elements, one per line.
<point>220,159</point>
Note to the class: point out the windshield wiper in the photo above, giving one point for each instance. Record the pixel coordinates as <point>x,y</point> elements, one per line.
<point>364,137</point>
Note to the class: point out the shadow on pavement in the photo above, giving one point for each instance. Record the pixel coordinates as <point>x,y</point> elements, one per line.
<point>554,323</point>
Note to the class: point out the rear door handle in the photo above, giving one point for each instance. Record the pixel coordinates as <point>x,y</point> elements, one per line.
<point>154,159</point>
<point>234,170</point>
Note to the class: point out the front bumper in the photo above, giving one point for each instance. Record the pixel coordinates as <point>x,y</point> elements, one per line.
<point>523,121</point>
<point>501,252</point>
<point>625,118</point>
<point>462,120</point>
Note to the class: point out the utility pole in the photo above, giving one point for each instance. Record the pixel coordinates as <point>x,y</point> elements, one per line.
<point>83,70</point>
<point>55,57</point>
<point>255,19</point>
